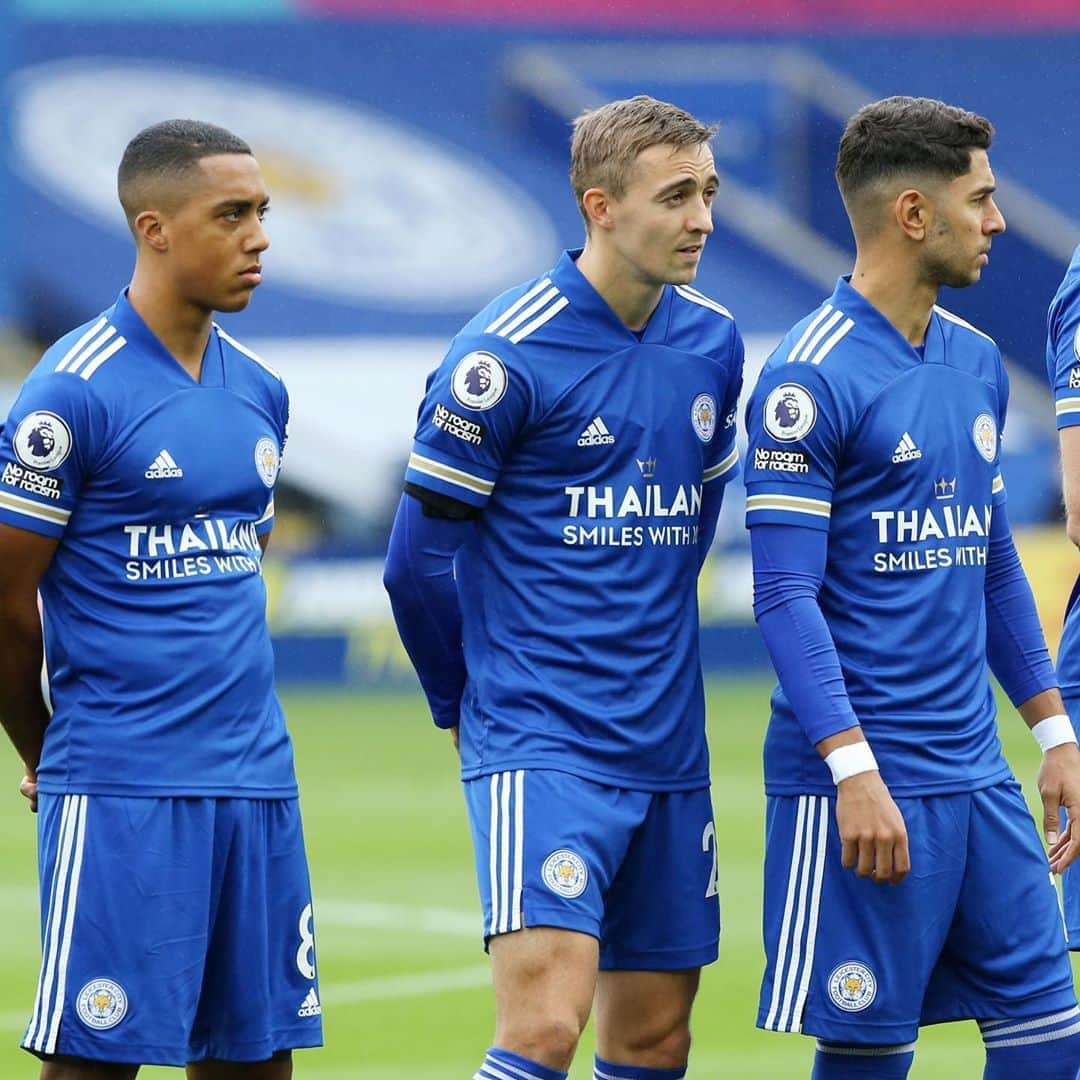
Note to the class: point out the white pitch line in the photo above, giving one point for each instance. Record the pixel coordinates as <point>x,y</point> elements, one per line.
<point>354,913</point>
<point>384,987</point>
<point>22,897</point>
<point>351,913</point>
<point>14,1021</point>
<point>364,915</point>
<point>379,988</point>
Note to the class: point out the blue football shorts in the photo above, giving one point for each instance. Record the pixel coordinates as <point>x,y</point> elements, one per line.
<point>973,932</point>
<point>635,869</point>
<point>173,930</point>
<point>1070,880</point>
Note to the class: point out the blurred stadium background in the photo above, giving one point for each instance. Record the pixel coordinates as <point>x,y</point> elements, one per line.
<point>416,152</point>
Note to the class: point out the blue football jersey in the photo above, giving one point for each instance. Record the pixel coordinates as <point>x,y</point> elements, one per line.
<point>587,447</point>
<point>1063,370</point>
<point>893,451</point>
<point>157,487</point>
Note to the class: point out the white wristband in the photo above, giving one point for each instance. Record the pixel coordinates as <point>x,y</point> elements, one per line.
<point>1053,731</point>
<point>850,760</point>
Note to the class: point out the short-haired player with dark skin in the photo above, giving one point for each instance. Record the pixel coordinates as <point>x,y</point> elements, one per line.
<point>137,473</point>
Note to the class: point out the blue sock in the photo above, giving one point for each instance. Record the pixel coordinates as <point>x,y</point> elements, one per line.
<point>500,1064</point>
<point>841,1061</point>
<point>1047,1047</point>
<point>605,1070</point>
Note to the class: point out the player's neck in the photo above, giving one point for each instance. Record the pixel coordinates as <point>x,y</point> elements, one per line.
<point>182,328</point>
<point>632,299</point>
<point>902,298</point>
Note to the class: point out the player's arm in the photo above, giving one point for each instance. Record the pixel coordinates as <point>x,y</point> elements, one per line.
<point>24,558</point>
<point>796,425</point>
<point>1016,649</point>
<point>1017,654</point>
<point>1069,441</point>
<point>789,566</point>
<point>476,403</point>
<point>48,444</point>
<point>419,576</point>
<point>1063,367</point>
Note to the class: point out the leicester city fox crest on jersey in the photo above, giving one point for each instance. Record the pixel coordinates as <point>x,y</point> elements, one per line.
<point>703,413</point>
<point>894,452</point>
<point>267,460</point>
<point>984,432</point>
<point>587,450</point>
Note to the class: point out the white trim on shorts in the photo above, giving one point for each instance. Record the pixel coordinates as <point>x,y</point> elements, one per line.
<point>44,1027</point>
<point>506,854</point>
<point>801,909</point>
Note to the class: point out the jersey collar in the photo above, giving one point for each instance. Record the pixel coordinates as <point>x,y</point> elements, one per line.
<point>875,326</point>
<point>130,323</point>
<point>589,304</point>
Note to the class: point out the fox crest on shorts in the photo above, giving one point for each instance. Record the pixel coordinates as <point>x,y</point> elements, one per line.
<point>101,1004</point>
<point>852,986</point>
<point>565,873</point>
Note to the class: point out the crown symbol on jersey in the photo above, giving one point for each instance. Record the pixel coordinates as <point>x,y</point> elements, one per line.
<point>945,489</point>
<point>647,467</point>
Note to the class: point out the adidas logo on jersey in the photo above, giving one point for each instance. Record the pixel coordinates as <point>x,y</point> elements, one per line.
<point>906,450</point>
<point>596,434</point>
<point>163,467</point>
<point>310,1005</point>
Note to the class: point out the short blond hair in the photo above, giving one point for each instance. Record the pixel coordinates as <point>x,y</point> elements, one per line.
<point>607,140</point>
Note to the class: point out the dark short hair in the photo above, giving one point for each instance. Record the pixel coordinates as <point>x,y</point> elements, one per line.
<point>167,151</point>
<point>607,141</point>
<point>901,136</point>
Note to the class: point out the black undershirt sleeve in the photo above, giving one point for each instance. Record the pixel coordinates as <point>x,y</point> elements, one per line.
<point>437,505</point>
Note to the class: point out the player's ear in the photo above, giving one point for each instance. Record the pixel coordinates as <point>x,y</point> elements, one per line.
<point>149,229</point>
<point>912,212</point>
<point>597,205</point>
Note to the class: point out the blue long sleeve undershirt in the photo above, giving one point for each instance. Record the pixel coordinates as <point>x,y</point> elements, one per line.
<point>789,566</point>
<point>419,576</point>
<point>1015,645</point>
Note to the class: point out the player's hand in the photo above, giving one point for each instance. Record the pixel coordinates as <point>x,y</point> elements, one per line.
<point>872,831</point>
<point>1057,850</point>
<point>455,734</point>
<point>28,790</point>
<point>1059,787</point>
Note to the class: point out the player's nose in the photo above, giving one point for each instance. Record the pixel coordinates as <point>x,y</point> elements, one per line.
<point>701,220</point>
<point>260,239</point>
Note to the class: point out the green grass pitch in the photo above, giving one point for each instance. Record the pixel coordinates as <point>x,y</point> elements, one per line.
<point>404,980</point>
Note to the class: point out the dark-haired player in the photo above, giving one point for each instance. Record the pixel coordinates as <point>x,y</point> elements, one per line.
<point>905,883</point>
<point>137,473</point>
